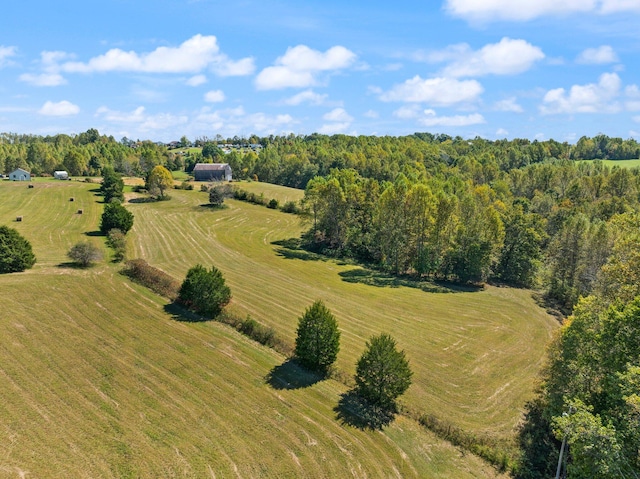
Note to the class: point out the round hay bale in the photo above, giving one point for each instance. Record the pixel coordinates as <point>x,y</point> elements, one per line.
<point>18,218</point>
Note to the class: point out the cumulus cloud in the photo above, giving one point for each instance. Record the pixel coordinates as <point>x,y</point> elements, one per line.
<point>196,80</point>
<point>371,114</point>
<point>5,54</point>
<point>340,121</point>
<point>591,98</point>
<point>43,79</point>
<point>435,91</point>
<point>523,10</point>
<point>337,114</point>
<point>62,108</point>
<point>141,120</point>
<point>430,118</point>
<point>507,57</point>
<point>508,104</point>
<point>50,76</point>
<point>214,96</point>
<point>194,55</point>
<point>236,120</point>
<point>598,56</point>
<point>300,66</point>
<point>501,133</point>
<point>334,128</point>
<point>407,112</point>
<point>307,96</point>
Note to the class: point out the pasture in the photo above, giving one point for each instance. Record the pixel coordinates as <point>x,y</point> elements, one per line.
<point>100,379</point>
<point>621,163</point>
<point>475,354</point>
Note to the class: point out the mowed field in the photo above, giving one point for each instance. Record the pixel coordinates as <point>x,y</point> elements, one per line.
<point>621,163</point>
<point>99,379</point>
<point>475,355</point>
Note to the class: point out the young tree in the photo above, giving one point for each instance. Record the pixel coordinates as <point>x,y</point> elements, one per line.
<point>15,251</point>
<point>318,338</point>
<point>112,185</point>
<point>116,239</point>
<point>204,291</point>
<point>84,253</point>
<point>159,180</point>
<point>116,216</point>
<point>382,372</point>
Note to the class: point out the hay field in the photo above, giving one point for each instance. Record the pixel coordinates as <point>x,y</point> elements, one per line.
<point>475,355</point>
<point>99,379</point>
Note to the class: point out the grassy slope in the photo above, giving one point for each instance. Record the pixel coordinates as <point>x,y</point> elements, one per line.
<point>621,163</point>
<point>99,381</point>
<point>475,354</point>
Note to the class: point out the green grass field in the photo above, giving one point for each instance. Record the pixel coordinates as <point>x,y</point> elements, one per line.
<point>100,380</point>
<point>475,354</point>
<point>621,163</point>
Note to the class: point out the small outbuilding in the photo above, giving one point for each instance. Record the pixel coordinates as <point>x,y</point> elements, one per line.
<point>212,172</point>
<point>61,175</point>
<point>20,175</point>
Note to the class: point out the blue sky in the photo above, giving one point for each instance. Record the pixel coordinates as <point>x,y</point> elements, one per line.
<point>159,70</point>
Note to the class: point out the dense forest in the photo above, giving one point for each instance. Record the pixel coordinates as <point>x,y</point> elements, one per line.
<point>528,214</point>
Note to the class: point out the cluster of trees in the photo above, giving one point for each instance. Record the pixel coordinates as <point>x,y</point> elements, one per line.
<point>552,223</point>
<point>85,154</point>
<point>590,396</point>
<point>382,372</point>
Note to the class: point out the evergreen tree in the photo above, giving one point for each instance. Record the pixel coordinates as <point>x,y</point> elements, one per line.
<point>382,372</point>
<point>116,216</point>
<point>318,338</point>
<point>204,291</point>
<point>15,251</point>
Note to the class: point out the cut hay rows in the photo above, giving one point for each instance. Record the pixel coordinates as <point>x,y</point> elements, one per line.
<point>475,354</point>
<point>100,381</point>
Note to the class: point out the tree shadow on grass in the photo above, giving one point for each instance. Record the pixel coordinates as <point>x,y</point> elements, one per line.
<point>385,280</point>
<point>290,375</point>
<point>357,412</point>
<point>178,313</point>
<point>94,233</point>
<point>292,249</point>
<point>71,265</point>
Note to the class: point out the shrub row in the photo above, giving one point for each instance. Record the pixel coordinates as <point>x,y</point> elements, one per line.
<point>243,195</point>
<point>153,278</point>
<point>485,447</point>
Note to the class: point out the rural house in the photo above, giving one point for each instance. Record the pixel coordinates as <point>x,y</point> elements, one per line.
<point>212,172</point>
<point>20,175</point>
<point>61,175</point>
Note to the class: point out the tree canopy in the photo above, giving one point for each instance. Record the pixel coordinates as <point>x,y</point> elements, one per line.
<point>16,253</point>
<point>159,181</point>
<point>204,291</point>
<point>317,338</point>
<point>116,216</point>
<point>382,372</point>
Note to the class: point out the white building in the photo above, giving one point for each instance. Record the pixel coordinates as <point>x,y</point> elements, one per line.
<point>61,175</point>
<point>20,175</point>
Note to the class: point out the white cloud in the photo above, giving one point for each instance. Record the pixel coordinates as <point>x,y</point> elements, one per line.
<point>590,98</point>
<point>233,121</point>
<point>598,56</point>
<point>523,10</point>
<point>307,96</point>
<point>300,65</point>
<point>371,114</point>
<point>334,128</point>
<point>142,121</point>
<point>632,93</point>
<point>196,80</point>
<point>5,54</point>
<point>407,112</point>
<point>501,133</point>
<point>435,91</point>
<point>43,79</point>
<point>430,118</point>
<point>214,96</point>
<point>193,55</point>
<point>62,108</point>
<point>508,104</point>
<point>340,122</point>
<point>337,114</point>
<point>49,62</point>
<point>507,57</point>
